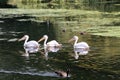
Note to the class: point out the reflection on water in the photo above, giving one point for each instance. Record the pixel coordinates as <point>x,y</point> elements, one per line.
<point>31,73</point>
<point>29,50</point>
<point>102,61</point>
<point>50,49</point>
<point>80,51</point>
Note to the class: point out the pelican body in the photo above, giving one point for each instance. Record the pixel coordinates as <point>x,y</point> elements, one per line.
<point>29,44</point>
<point>82,45</point>
<point>52,43</point>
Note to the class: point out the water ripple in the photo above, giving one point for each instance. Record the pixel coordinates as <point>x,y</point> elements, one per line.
<point>40,73</point>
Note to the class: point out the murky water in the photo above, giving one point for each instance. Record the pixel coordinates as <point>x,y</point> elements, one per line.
<point>101,62</point>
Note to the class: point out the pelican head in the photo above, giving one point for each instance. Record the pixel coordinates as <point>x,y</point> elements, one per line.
<point>23,38</point>
<point>43,38</point>
<point>73,39</point>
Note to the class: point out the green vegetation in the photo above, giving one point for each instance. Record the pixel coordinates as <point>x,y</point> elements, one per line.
<point>93,22</point>
<point>102,5</point>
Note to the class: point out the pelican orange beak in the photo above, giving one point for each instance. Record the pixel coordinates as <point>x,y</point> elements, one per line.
<point>21,39</point>
<point>72,39</point>
<point>41,39</point>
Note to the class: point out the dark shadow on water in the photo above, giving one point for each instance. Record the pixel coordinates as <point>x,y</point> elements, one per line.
<point>23,25</point>
<point>4,4</point>
<point>17,26</point>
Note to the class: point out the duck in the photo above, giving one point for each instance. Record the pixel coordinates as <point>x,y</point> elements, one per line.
<point>52,43</point>
<point>82,45</point>
<point>63,73</point>
<point>29,44</point>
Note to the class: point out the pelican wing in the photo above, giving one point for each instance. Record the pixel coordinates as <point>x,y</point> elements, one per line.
<point>81,45</point>
<point>31,44</point>
<point>53,43</point>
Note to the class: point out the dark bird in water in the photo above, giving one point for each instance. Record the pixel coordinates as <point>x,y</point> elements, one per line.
<point>63,73</point>
<point>83,33</point>
<point>64,30</point>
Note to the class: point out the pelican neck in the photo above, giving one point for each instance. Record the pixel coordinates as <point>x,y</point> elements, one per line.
<point>26,39</point>
<point>75,42</point>
<point>45,42</point>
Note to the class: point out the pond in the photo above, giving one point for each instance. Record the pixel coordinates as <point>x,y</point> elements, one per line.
<point>101,62</point>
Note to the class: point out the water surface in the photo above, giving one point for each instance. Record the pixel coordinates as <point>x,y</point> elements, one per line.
<point>101,62</point>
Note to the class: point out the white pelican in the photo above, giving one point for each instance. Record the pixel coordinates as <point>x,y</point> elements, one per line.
<point>82,45</point>
<point>52,43</point>
<point>29,44</point>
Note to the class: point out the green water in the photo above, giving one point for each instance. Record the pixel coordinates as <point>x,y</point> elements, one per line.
<point>101,62</point>
<point>95,22</point>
